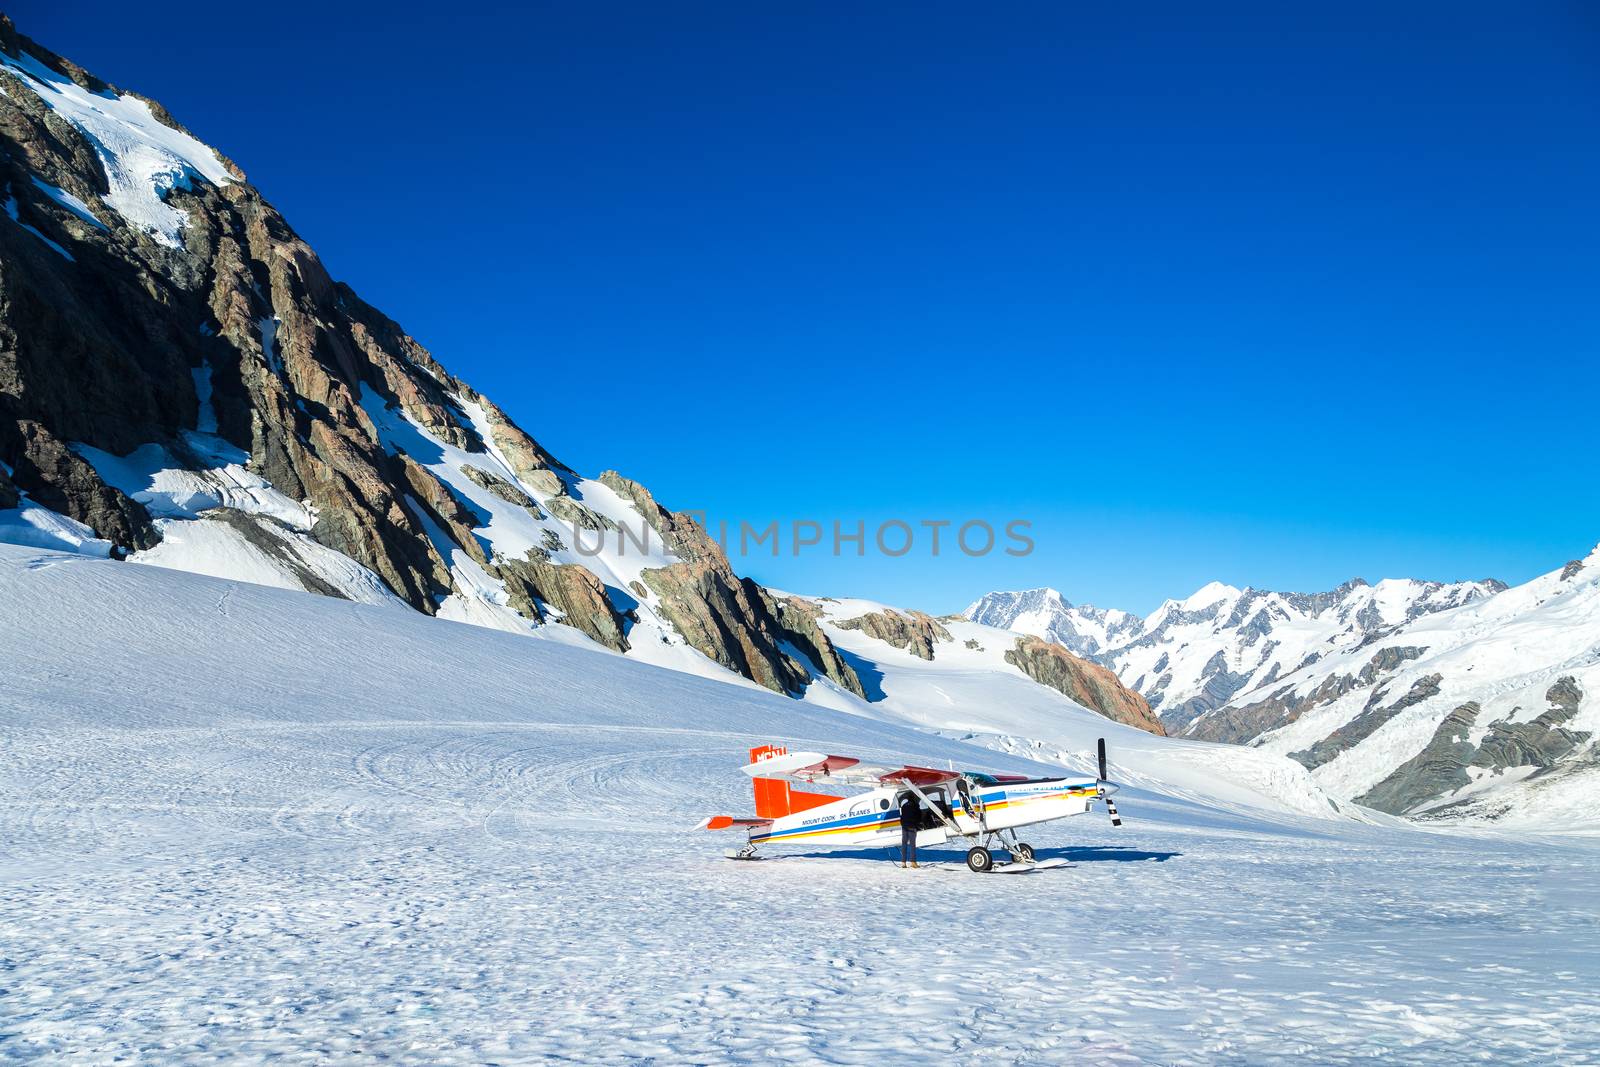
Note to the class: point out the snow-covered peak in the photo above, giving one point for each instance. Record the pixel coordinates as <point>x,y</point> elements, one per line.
<point>1222,642</point>
<point>144,159</point>
<point>1478,703</point>
<point>1044,612</point>
<point>1207,595</point>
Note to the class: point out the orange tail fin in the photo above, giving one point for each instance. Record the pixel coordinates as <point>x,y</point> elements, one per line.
<point>774,798</point>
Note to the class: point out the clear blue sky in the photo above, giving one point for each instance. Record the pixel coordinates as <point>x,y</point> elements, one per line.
<point>1259,293</point>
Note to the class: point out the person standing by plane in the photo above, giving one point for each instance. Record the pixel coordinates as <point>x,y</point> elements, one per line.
<point>910,824</point>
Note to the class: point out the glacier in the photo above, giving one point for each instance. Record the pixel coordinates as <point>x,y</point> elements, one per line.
<point>240,824</point>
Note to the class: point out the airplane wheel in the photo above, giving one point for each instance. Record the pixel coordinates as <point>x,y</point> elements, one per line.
<point>1023,851</point>
<point>979,859</point>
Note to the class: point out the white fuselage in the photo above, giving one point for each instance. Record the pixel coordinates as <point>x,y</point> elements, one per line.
<point>873,819</point>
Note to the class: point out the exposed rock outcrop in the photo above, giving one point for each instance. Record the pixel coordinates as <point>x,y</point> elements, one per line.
<point>9,497</point>
<point>1089,684</point>
<point>914,631</point>
<point>578,515</point>
<point>1240,724</point>
<point>528,459</point>
<point>444,507</point>
<point>1539,743</point>
<point>732,620</point>
<point>394,357</point>
<point>677,531</point>
<point>58,478</point>
<point>798,621</point>
<point>715,613</point>
<point>580,599</point>
<point>1440,768</point>
<point>1387,660</point>
<point>1218,687</point>
<point>1366,724</point>
<point>502,489</point>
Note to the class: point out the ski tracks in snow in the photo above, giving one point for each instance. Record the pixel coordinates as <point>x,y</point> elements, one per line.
<point>458,893</point>
<point>253,837</point>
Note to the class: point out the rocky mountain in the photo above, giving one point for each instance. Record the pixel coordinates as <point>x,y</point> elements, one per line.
<point>1193,655</point>
<point>1483,712</point>
<point>180,374</point>
<point>183,383</point>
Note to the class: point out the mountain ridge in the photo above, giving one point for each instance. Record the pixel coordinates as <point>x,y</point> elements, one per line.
<point>183,383</point>
<point>1468,701</point>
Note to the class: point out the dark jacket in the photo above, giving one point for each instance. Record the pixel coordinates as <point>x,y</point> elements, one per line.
<point>910,812</point>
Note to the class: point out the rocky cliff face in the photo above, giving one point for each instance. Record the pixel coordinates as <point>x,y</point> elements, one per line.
<point>1089,684</point>
<point>180,373</point>
<point>914,631</point>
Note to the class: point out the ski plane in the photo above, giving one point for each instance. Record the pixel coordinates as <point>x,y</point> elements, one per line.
<point>984,809</point>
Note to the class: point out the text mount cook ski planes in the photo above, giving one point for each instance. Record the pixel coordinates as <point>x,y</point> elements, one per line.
<point>986,809</point>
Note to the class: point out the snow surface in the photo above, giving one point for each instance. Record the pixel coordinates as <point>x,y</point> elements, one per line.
<point>222,841</point>
<point>33,526</point>
<point>68,201</point>
<point>213,473</point>
<point>207,546</point>
<point>183,486</point>
<point>144,159</point>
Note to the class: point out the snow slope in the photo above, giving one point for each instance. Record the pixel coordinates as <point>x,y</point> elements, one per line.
<point>32,526</point>
<point>241,824</point>
<point>1361,716</point>
<point>144,159</point>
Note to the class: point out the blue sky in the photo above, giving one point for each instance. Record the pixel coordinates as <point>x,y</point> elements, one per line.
<point>1268,295</point>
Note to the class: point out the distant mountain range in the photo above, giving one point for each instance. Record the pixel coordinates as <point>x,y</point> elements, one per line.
<point>1434,700</point>
<point>1196,654</point>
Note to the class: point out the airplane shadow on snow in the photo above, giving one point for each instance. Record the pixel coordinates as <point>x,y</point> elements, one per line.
<point>1071,853</point>
<point>1105,853</point>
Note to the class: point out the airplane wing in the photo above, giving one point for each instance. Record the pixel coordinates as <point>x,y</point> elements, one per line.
<point>816,768</point>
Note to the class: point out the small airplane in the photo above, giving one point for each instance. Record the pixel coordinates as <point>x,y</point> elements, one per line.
<point>985,809</point>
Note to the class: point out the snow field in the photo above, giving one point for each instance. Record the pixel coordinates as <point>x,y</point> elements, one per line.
<point>243,824</point>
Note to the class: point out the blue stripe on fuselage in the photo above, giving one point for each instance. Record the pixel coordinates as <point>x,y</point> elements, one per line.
<point>891,818</point>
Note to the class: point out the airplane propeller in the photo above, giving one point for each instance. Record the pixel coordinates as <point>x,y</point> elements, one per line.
<point>1111,805</point>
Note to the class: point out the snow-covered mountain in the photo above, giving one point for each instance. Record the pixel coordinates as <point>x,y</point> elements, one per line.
<point>1019,693</point>
<point>180,375</point>
<point>1082,628</point>
<point>1466,702</point>
<point>184,385</point>
<point>1487,712</point>
<point>1198,653</point>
